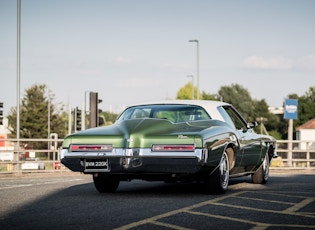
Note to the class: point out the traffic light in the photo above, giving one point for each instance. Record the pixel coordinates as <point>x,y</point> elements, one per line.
<point>94,111</point>
<point>1,113</point>
<point>101,121</point>
<point>77,119</point>
<point>101,118</point>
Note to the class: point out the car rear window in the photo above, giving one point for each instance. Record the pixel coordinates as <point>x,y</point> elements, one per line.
<point>173,113</point>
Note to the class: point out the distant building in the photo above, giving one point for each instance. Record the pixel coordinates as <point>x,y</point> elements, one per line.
<point>306,132</point>
<point>276,110</point>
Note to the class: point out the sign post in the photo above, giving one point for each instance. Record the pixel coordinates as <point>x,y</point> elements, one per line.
<point>290,113</point>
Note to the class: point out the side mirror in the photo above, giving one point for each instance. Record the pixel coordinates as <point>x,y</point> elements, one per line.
<point>251,125</point>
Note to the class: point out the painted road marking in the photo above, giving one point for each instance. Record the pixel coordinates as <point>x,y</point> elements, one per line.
<point>154,219</point>
<point>9,186</point>
<point>294,210</point>
<point>300,205</point>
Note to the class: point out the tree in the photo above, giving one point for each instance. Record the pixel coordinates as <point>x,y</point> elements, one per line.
<point>306,106</point>
<point>269,120</point>
<point>251,109</point>
<point>211,97</point>
<point>109,117</point>
<point>186,92</point>
<point>239,97</point>
<point>306,109</point>
<point>34,115</point>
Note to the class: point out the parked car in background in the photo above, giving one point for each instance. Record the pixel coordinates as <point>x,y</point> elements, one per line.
<point>180,140</point>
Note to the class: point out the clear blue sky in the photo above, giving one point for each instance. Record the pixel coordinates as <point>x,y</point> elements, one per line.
<point>138,50</point>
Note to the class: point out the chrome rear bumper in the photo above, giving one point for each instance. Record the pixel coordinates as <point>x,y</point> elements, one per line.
<point>138,161</point>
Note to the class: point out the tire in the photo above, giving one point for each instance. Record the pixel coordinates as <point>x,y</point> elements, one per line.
<point>262,174</point>
<point>105,184</point>
<point>218,181</point>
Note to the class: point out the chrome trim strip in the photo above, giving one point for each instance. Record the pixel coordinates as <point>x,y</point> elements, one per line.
<point>136,152</point>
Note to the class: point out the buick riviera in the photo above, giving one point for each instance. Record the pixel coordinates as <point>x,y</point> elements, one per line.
<point>174,141</point>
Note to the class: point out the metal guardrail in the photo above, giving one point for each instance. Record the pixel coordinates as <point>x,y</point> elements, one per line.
<point>20,156</point>
<point>295,154</point>
<point>292,155</point>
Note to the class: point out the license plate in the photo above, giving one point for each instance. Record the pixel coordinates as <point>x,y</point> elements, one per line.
<point>96,165</point>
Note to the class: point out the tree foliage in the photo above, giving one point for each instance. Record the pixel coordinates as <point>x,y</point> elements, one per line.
<point>34,115</point>
<point>109,117</point>
<point>240,98</point>
<point>186,92</point>
<point>306,106</point>
<point>213,97</point>
<point>251,109</point>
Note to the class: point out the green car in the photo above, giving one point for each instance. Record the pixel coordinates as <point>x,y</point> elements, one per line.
<point>173,141</point>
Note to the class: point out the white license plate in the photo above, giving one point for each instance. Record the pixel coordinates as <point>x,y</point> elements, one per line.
<point>96,165</point>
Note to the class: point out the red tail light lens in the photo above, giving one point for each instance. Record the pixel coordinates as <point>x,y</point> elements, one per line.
<point>173,148</point>
<point>91,148</point>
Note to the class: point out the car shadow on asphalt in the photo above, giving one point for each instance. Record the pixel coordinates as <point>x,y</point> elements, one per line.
<point>70,207</point>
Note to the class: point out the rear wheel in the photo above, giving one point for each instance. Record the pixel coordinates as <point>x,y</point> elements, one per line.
<point>262,174</point>
<point>104,184</point>
<point>218,181</point>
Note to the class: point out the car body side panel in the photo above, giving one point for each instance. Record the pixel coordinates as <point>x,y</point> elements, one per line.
<point>254,147</point>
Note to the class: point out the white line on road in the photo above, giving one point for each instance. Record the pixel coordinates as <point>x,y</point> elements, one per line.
<point>40,183</point>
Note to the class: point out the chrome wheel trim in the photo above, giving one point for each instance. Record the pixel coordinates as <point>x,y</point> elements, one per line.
<point>224,171</point>
<point>266,167</point>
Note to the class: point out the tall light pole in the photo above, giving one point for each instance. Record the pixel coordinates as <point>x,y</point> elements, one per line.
<point>192,86</point>
<point>18,75</point>
<point>48,118</point>
<point>197,42</point>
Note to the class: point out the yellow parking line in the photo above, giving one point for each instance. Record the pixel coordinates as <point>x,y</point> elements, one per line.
<point>172,226</point>
<point>153,219</point>
<point>260,225</point>
<point>271,201</point>
<point>263,210</point>
<point>300,205</point>
<point>216,201</point>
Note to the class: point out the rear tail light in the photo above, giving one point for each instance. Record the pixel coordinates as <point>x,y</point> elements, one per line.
<point>91,148</point>
<point>173,148</point>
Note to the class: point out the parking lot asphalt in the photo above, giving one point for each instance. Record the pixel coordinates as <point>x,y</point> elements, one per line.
<point>58,173</point>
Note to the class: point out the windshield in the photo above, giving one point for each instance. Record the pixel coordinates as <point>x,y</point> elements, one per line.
<point>173,113</point>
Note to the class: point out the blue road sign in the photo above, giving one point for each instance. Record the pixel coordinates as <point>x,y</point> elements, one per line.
<point>291,109</point>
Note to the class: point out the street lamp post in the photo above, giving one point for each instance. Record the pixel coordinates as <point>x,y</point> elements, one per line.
<point>192,86</point>
<point>18,76</point>
<point>197,42</point>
